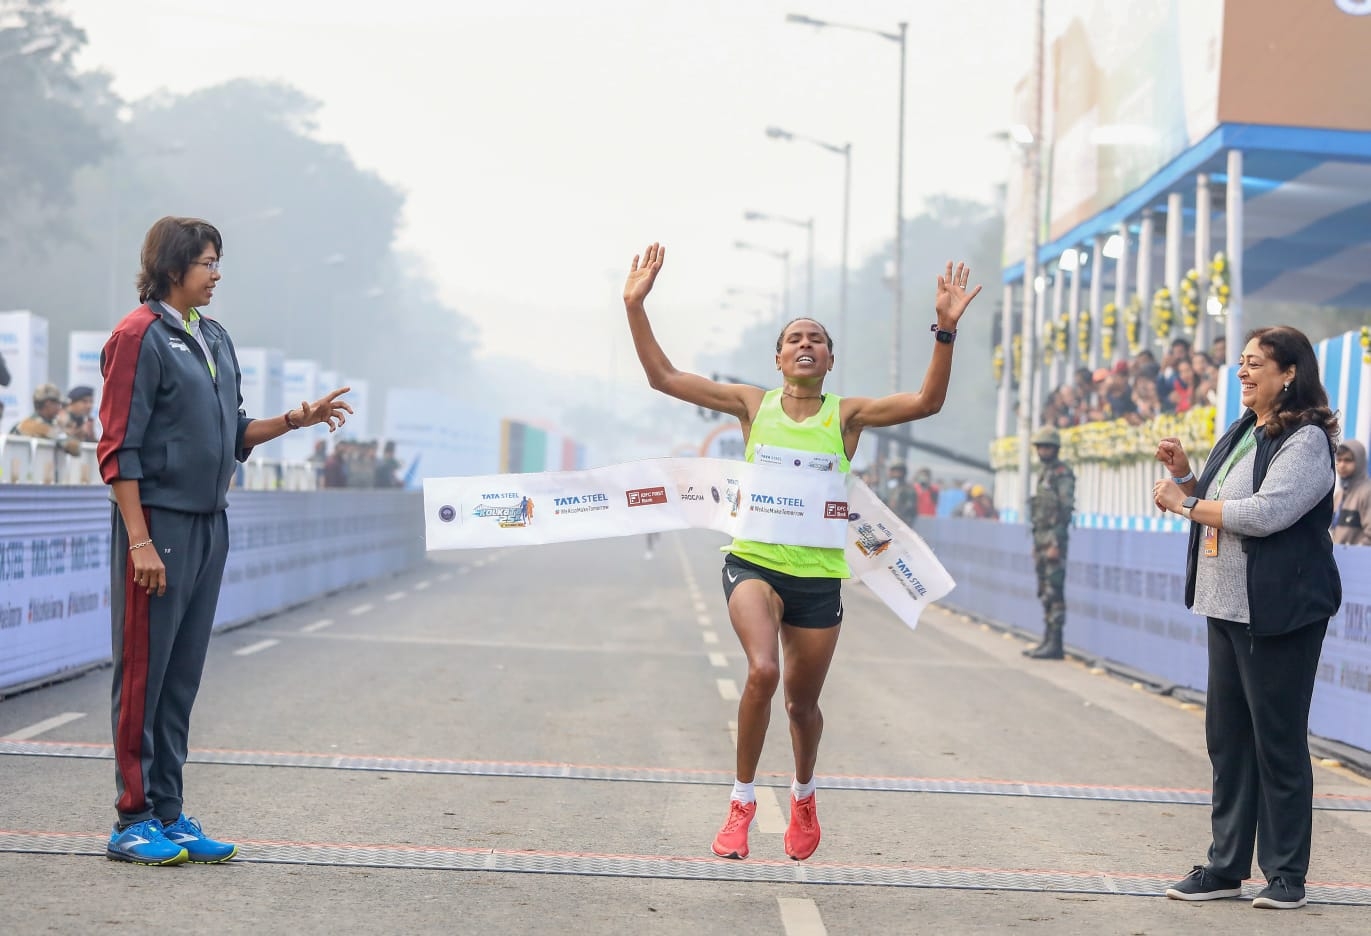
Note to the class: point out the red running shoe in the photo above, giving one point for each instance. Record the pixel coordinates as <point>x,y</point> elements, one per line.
<point>802,835</point>
<point>731,842</point>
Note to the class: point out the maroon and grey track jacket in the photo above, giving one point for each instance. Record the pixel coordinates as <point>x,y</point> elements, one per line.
<point>167,422</point>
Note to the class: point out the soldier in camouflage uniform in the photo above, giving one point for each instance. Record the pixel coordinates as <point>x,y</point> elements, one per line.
<point>1050,512</point>
<point>899,496</point>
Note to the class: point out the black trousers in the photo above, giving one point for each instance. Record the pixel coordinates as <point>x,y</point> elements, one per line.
<point>1256,725</point>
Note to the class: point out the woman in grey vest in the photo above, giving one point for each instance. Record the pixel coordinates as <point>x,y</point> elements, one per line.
<point>1260,568</point>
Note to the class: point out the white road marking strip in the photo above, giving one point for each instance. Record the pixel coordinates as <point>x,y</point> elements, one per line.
<point>317,625</point>
<point>395,596</point>
<point>770,817</point>
<point>361,609</point>
<point>728,690</point>
<point>444,576</point>
<point>710,637</point>
<point>704,620</point>
<point>47,724</point>
<point>718,659</point>
<point>800,917</point>
<point>463,570</point>
<point>700,607</point>
<point>420,586</point>
<point>733,732</point>
<point>254,648</point>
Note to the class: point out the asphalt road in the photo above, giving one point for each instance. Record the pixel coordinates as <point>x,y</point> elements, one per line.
<point>538,741</point>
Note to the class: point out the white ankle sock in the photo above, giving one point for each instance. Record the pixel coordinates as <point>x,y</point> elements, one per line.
<point>802,790</point>
<point>744,792</point>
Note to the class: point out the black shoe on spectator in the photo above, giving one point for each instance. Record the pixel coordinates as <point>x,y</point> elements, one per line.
<point>1200,884</point>
<point>1280,894</point>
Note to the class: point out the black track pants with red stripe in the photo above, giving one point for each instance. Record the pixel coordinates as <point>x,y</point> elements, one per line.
<point>159,646</point>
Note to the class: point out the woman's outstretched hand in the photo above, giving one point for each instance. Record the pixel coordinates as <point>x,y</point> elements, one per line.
<point>953,297</point>
<point>643,273</point>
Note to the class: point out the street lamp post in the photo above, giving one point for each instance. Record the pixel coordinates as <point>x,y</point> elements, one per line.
<point>784,257</point>
<point>846,152</point>
<point>808,225</point>
<point>898,37</point>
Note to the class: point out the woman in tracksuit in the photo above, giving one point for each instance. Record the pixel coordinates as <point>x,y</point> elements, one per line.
<point>787,598</point>
<point>173,431</point>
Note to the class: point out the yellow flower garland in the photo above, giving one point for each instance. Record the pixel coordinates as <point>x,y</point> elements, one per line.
<point>1083,335</point>
<point>1117,443</point>
<point>1218,281</point>
<point>1017,346</point>
<point>1163,315</point>
<point>1366,344</point>
<point>1190,303</point>
<point>1108,324</point>
<point>1063,332</point>
<point>997,363</point>
<point>1132,325</point>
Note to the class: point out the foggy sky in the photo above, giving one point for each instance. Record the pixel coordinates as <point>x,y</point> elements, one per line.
<point>540,150</point>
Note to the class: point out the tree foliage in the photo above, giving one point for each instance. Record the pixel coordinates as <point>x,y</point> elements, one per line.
<point>45,133</point>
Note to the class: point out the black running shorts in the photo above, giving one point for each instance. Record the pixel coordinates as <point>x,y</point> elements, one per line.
<point>807,602</point>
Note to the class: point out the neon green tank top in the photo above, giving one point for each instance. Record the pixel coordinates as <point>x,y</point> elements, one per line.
<point>821,433</point>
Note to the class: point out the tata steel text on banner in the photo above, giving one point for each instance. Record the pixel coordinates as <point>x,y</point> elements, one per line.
<point>773,503</point>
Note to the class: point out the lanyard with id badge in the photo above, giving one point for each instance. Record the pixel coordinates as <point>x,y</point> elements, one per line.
<point>1211,534</point>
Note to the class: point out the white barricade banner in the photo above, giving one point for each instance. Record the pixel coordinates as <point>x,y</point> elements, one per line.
<point>768,503</point>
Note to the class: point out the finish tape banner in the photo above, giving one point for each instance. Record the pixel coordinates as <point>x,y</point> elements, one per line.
<point>771,503</point>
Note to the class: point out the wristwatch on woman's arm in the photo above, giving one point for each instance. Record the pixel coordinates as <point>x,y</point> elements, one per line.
<point>1187,505</point>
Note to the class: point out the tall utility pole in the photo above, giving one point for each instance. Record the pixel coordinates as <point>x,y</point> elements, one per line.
<point>899,231</point>
<point>1033,165</point>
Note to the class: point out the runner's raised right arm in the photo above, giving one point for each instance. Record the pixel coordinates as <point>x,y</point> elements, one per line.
<point>738,400</point>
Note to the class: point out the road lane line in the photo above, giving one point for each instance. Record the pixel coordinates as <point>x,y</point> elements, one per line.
<point>718,659</point>
<point>770,818</point>
<point>361,609</point>
<point>395,596</point>
<point>444,576</point>
<point>257,647</point>
<point>800,917</point>
<point>47,724</point>
<point>728,690</point>
<point>710,637</point>
<point>420,586</point>
<point>316,626</point>
<point>733,732</point>
<point>704,620</point>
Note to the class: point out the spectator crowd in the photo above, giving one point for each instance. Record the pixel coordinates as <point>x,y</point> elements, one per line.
<point>66,420</point>
<point>354,464</point>
<point>1138,390</point>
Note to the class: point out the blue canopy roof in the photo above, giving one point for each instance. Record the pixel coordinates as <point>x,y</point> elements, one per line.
<point>1306,211</point>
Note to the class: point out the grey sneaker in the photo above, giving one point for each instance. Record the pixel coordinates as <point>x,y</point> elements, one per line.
<point>1201,884</point>
<point>1280,894</point>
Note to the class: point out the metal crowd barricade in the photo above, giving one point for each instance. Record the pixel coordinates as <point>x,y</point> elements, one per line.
<point>42,461</point>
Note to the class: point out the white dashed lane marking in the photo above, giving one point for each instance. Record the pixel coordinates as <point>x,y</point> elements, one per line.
<point>800,917</point>
<point>770,818</point>
<point>728,690</point>
<point>710,637</point>
<point>316,626</point>
<point>47,724</point>
<point>718,659</point>
<point>361,609</point>
<point>395,596</point>
<point>256,648</point>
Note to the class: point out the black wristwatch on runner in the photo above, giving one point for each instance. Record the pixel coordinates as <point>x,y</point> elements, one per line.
<point>942,334</point>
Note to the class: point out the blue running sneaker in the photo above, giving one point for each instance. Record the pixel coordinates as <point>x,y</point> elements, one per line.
<point>143,843</point>
<point>202,849</point>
